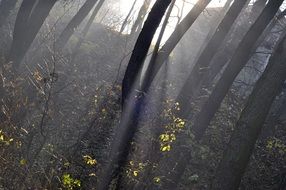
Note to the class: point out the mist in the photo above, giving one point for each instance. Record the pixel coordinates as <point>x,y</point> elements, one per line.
<point>142,94</point>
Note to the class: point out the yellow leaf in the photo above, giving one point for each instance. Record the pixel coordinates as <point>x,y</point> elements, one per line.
<point>165,148</point>
<point>23,162</point>
<point>89,160</point>
<point>135,173</point>
<point>157,179</point>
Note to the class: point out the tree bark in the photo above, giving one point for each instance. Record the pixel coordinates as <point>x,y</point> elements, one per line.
<point>237,62</point>
<point>86,29</point>
<point>127,17</point>
<point>146,80</point>
<point>204,59</point>
<point>74,23</point>
<point>120,147</point>
<point>140,18</point>
<point>224,55</point>
<point>173,40</point>
<point>6,6</point>
<point>30,18</point>
<point>248,127</point>
<point>142,46</point>
<point>177,35</point>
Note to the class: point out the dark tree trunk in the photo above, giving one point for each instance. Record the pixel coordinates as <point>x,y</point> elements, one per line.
<point>6,6</point>
<point>86,28</point>
<point>173,40</point>
<point>125,22</point>
<point>74,23</point>
<point>248,127</point>
<point>146,80</point>
<point>204,59</point>
<point>237,62</point>
<point>140,18</point>
<point>224,55</point>
<point>19,32</point>
<point>131,111</point>
<point>145,87</point>
<point>258,4</point>
<point>273,118</point>
<point>142,46</point>
<point>183,156</point>
<point>29,20</point>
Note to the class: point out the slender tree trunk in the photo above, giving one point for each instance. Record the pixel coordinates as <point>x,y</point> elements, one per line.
<point>74,23</point>
<point>6,6</point>
<point>142,46</point>
<point>257,4</point>
<point>146,81</point>
<point>131,111</point>
<point>86,29</point>
<point>140,18</point>
<point>248,127</point>
<point>177,35</point>
<point>215,25</point>
<point>221,60</point>
<point>145,88</point>
<point>237,62</point>
<point>125,22</point>
<point>204,59</point>
<point>183,156</point>
<point>173,40</point>
<point>273,118</point>
<point>224,55</point>
<point>30,18</point>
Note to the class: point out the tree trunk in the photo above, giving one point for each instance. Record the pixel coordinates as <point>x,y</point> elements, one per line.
<point>173,40</point>
<point>224,55</point>
<point>30,18</point>
<point>177,35</point>
<point>140,18</point>
<point>120,147</point>
<point>248,127</point>
<point>125,22</point>
<point>146,80</point>
<point>74,23</point>
<point>86,29</point>
<point>203,62</point>
<point>237,62</point>
<point>183,156</point>
<point>6,6</point>
<point>142,46</point>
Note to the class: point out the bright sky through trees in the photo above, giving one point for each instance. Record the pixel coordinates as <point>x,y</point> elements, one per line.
<point>125,5</point>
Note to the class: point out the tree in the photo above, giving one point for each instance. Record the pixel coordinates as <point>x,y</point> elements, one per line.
<point>6,6</point>
<point>86,28</point>
<point>146,82</point>
<point>204,59</point>
<point>228,50</point>
<point>121,145</point>
<point>140,17</point>
<point>142,46</point>
<point>30,18</point>
<point>171,43</point>
<point>74,23</point>
<point>225,53</point>
<point>125,22</point>
<point>163,54</point>
<point>248,127</point>
<point>237,62</point>
<point>182,155</point>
